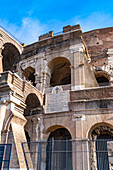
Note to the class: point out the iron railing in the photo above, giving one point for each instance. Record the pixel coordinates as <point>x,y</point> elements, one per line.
<point>69,155</point>
<point>5,156</point>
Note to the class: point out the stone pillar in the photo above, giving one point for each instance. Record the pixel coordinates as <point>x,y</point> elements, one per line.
<point>12,131</point>
<point>16,136</point>
<point>12,121</point>
<point>110,64</point>
<point>36,130</point>
<point>44,80</point>
<point>77,144</point>
<point>35,137</point>
<point>40,73</point>
<point>2,115</point>
<point>77,70</point>
<point>38,81</point>
<point>81,73</point>
<point>46,76</point>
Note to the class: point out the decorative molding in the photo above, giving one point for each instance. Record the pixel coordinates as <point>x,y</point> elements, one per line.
<point>101,130</point>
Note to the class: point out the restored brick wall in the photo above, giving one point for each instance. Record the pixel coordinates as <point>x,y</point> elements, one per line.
<point>88,94</point>
<point>97,42</point>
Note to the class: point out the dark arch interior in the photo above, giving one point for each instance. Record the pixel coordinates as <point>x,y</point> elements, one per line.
<point>33,105</point>
<point>11,57</point>
<point>29,74</point>
<point>60,71</point>
<point>28,138</point>
<point>59,150</point>
<point>60,134</point>
<point>102,149</point>
<point>102,81</point>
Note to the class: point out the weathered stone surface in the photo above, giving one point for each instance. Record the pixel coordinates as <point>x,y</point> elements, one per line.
<point>57,101</point>
<point>54,86</point>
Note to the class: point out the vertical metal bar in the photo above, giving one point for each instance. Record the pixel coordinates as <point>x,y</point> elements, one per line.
<point>82,154</point>
<point>66,154</point>
<point>25,156</point>
<point>38,156</point>
<point>10,156</point>
<point>52,154</point>
<point>40,146</point>
<point>2,155</point>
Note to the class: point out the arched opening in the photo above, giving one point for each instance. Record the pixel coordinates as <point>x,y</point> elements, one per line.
<point>32,105</point>
<point>102,78</point>
<point>101,148</point>
<point>60,71</point>
<point>29,74</point>
<point>59,150</point>
<point>102,142</point>
<point>102,81</point>
<point>11,57</point>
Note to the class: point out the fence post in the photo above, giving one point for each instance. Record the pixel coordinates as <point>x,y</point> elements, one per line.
<point>10,155</point>
<point>66,154</point>
<point>25,155</point>
<point>81,154</point>
<point>52,154</point>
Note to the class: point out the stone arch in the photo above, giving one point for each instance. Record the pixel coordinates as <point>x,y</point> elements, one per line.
<point>102,77</point>
<point>60,71</point>
<point>55,127</point>
<point>8,39</point>
<point>29,89</point>
<point>11,56</point>
<point>61,128</point>
<point>49,59</point>
<point>33,105</point>
<point>6,127</point>
<point>101,125</point>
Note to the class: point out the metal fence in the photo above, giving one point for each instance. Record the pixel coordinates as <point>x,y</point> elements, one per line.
<point>69,155</point>
<point>5,156</point>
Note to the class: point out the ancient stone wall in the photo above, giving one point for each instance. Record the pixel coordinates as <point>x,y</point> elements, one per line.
<point>53,101</point>
<point>98,42</point>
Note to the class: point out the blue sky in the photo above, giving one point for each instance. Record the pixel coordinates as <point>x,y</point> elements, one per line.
<point>27,19</point>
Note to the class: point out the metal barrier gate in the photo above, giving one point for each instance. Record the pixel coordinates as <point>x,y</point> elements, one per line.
<point>5,156</point>
<point>69,154</point>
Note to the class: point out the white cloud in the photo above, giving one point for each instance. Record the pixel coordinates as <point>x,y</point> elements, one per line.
<point>30,28</point>
<point>28,31</point>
